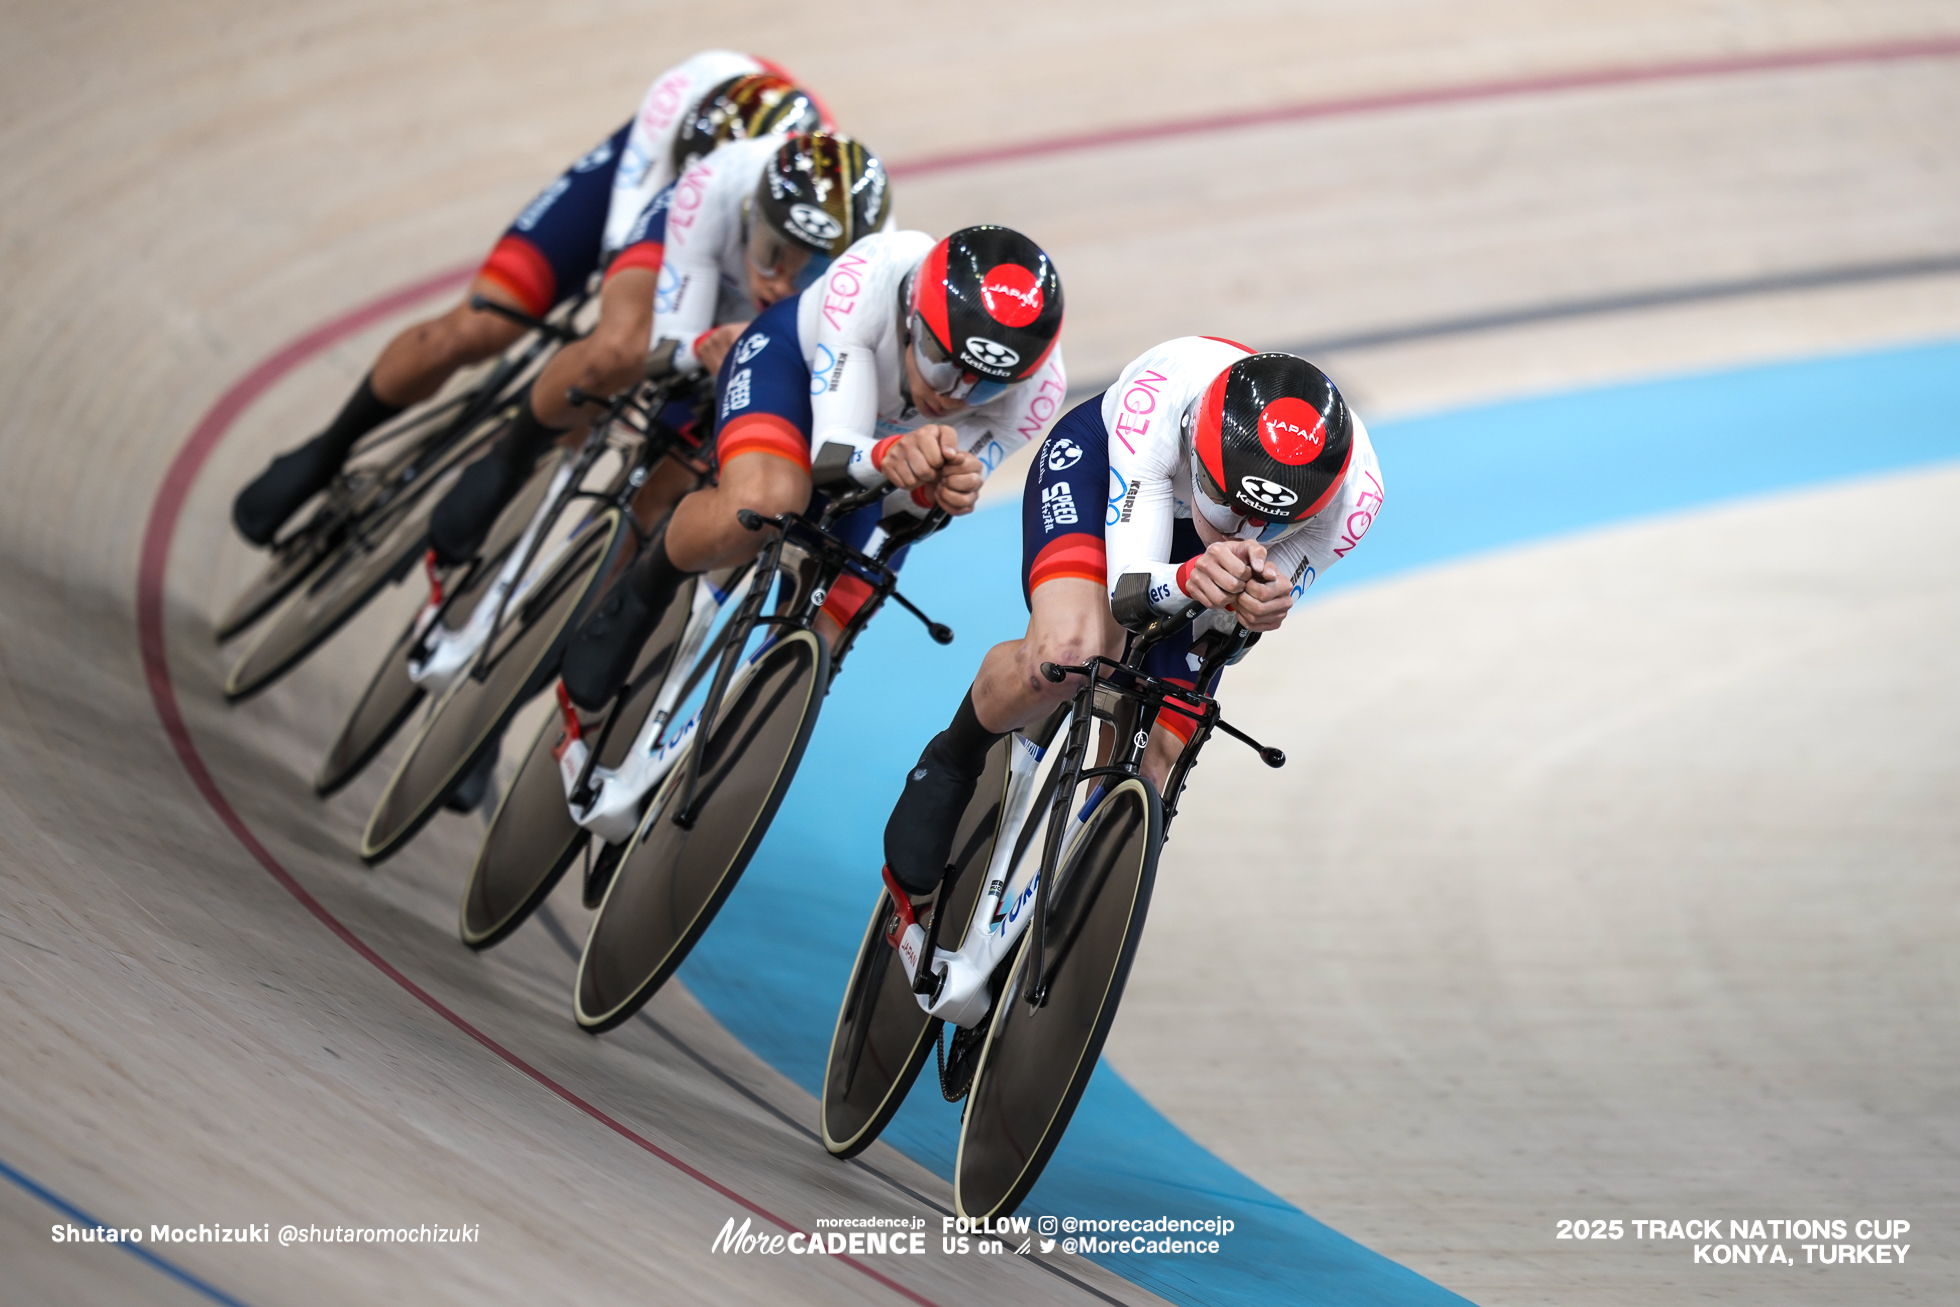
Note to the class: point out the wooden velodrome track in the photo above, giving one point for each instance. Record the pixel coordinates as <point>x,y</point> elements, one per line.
<point>1495,861</point>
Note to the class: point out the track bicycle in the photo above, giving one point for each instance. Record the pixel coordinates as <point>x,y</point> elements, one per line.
<point>1050,840</point>
<point>586,777</point>
<point>520,610</point>
<point>738,754</point>
<point>372,521</point>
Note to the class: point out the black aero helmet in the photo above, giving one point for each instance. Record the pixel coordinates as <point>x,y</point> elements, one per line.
<point>754,104</point>
<point>823,191</point>
<point>986,310</point>
<point>1271,439</point>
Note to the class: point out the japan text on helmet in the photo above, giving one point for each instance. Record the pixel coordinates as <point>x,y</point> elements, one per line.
<point>985,312</point>
<point>819,193</point>
<point>1270,443</point>
<point>754,104</point>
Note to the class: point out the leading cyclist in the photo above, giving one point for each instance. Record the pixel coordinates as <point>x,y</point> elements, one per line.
<point>919,362</point>
<point>546,256</point>
<point>1233,478</point>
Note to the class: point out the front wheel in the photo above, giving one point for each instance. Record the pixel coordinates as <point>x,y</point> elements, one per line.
<point>673,880</point>
<point>1038,1059</point>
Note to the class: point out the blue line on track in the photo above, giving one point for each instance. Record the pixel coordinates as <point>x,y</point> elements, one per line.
<point>135,1250</point>
<point>1466,482</point>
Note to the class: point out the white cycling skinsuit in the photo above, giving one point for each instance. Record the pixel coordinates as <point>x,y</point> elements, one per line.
<point>704,279</point>
<point>852,329</point>
<point>646,165</point>
<point>1150,478</point>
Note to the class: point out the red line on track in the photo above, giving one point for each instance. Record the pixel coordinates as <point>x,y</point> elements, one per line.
<point>166,510</point>
<point>1462,93</point>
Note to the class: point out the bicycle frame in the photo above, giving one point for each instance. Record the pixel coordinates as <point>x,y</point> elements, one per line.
<point>606,800</point>
<point>825,559</point>
<point>469,408</point>
<point>962,992</point>
<point>441,653</point>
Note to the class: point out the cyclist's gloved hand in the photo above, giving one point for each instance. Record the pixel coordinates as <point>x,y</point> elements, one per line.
<point>930,458</point>
<point>1235,575</point>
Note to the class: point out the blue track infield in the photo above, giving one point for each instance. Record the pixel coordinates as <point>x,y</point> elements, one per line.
<point>773,968</point>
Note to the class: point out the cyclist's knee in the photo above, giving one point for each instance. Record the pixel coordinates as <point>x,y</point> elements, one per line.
<point>1067,648</point>
<point>610,365</point>
<point>765,484</point>
<point>463,335</point>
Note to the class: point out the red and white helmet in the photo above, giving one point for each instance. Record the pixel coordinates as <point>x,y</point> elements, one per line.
<point>985,312</point>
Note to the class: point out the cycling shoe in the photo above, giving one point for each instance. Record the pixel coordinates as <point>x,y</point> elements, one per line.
<point>293,478</point>
<point>602,651</point>
<point>464,516</point>
<point>919,835</point>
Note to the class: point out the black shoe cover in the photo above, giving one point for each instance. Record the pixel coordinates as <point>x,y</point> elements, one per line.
<point>464,516</point>
<point>919,836</point>
<point>263,506</point>
<point>603,650</point>
<point>467,794</point>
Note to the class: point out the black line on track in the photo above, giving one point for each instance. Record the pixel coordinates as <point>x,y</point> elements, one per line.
<point>1848,274</point>
<point>1629,301</point>
<point>556,929</point>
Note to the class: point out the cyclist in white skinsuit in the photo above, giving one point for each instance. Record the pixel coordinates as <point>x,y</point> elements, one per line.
<point>1206,473</point>
<point>916,362</point>
<point>646,161</point>
<point>545,256</point>
<point>759,111</point>
<point>726,261</point>
<point>1152,486</point>
<point>854,337</point>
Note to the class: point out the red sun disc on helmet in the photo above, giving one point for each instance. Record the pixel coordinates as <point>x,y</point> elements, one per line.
<point>1293,431</point>
<point>1011,295</point>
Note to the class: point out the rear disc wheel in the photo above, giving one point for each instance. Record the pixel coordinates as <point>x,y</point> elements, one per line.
<point>673,880</point>
<point>515,664</point>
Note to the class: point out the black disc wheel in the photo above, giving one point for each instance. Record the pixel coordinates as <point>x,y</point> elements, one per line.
<point>391,696</point>
<point>291,561</point>
<point>883,1036</point>
<point>389,700</point>
<point>672,880</point>
<point>518,660</point>
<point>532,838</point>
<point>1039,1057</point>
<point>380,548</point>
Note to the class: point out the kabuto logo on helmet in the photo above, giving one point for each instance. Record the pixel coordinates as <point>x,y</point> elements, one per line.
<point>1293,431</point>
<point>814,223</point>
<point>1270,493</point>
<point>989,355</point>
<point>1011,295</point>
